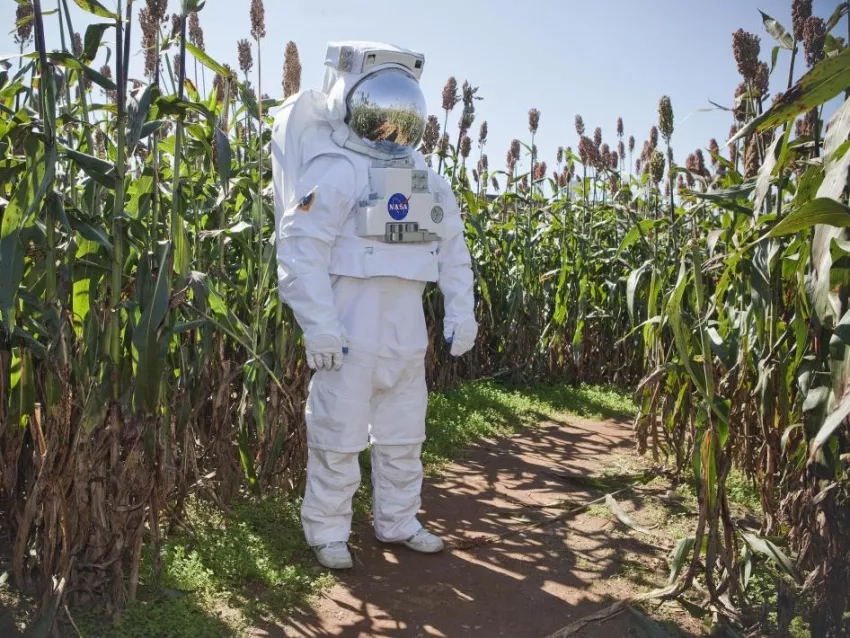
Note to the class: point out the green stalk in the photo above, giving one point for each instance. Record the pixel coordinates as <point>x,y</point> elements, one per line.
<point>118,211</point>
<point>47,110</point>
<point>176,193</point>
<point>259,199</point>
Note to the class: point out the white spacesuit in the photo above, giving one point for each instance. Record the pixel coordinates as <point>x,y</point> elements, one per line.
<point>363,224</point>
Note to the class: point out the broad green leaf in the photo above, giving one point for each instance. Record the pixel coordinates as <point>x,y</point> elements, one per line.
<point>635,233</point>
<point>766,171</point>
<point>835,18</point>
<point>766,548</point>
<point>835,419</point>
<point>678,557</point>
<point>819,85</point>
<point>94,36</point>
<point>631,288</point>
<point>822,210</point>
<point>779,33</point>
<point>17,217</point>
<point>69,61</point>
<point>225,156</point>
<point>836,154</point>
<point>207,61</point>
<point>151,352</point>
<point>94,7</point>
<point>99,170</point>
<point>137,113</point>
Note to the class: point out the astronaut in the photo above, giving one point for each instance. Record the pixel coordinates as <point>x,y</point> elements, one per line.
<point>363,225</point>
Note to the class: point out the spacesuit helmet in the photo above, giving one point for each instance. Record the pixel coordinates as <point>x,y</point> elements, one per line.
<point>374,89</point>
<point>387,111</point>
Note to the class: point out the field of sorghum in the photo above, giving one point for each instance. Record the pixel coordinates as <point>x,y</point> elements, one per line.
<point>144,355</point>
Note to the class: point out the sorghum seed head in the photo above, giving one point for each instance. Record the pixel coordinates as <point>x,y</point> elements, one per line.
<point>158,9</point>
<point>292,71</point>
<point>746,48</point>
<point>579,125</point>
<point>465,146</point>
<point>597,137</point>
<point>24,21</point>
<point>587,151</point>
<point>176,26</point>
<point>665,118</point>
<point>814,38</point>
<point>559,156</point>
<point>431,136</point>
<point>653,138</point>
<point>77,44</point>
<point>751,157</point>
<point>740,108</point>
<point>515,148</point>
<point>495,183</point>
<point>656,166</point>
<point>700,162</point>
<point>482,132</point>
<point>443,146</point>
<point>258,19</point>
<point>621,150</point>
<point>450,94</point>
<point>604,156</point>
<point>196,33</point>
<point>761,83</point>
<point>620,129</point>
<point>801,10</point>
<point>246,58</point>
<point>631,143</point>
<point>539,171</point>
<point>714,147</point>
<point>533,120</point>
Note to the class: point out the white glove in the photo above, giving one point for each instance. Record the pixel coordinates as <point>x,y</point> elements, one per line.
<point>463,337</point>
<point>325,352</point>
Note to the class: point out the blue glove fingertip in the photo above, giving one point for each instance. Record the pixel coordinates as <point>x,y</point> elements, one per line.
<point>345,350</point>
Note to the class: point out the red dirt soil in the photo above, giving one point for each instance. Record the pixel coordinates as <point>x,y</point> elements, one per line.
<point>530,584</point>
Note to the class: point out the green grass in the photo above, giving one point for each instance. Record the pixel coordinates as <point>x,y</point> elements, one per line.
<point>254,566</point>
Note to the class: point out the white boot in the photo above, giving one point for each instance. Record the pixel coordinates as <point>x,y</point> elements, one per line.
<point>334,555</point>
<point>424,541</point>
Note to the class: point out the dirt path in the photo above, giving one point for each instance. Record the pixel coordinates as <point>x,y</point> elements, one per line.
<point>528,585</point>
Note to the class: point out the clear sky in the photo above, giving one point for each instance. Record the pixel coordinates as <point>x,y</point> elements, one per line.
<point>603,59</point>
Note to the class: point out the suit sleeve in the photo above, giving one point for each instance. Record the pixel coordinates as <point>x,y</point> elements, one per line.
<point>308,228</point>
<point>456,281</point>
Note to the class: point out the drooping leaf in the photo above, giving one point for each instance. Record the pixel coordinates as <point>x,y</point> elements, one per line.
<point>766,548</point>
<point>832,423</point>
<point>94,36</point>
<point>94,7</point>
<point>779,33</point>
<point>69,61</point>
<point>207,61</point>
<point>820,84</point>
<point>822,210</point>
<point>624,518</point>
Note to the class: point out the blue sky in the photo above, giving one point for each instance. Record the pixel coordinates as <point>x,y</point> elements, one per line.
<point>603,60</point>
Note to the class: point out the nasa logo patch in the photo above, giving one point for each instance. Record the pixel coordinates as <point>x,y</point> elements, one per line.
<point>436,214</point>
<point>398,207</point>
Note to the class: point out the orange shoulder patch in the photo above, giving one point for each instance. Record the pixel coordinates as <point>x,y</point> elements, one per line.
<point>307,201</point>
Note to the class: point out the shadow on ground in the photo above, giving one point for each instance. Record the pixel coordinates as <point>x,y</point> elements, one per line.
<point>530,584</point>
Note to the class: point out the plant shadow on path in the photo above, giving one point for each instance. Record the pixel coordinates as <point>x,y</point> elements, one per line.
<point>530,584</point>
<point>251,573</point>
